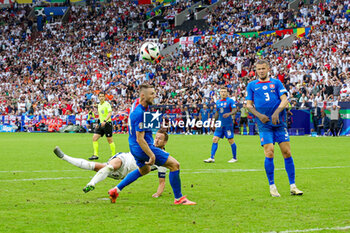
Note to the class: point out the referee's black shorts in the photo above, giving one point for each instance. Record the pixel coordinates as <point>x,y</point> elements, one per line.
<point>244,120</point>
<point>108,130</point>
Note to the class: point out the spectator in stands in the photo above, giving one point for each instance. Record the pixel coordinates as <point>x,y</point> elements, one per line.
<point>324,124</point>
<point>334,119</point>
<point>91,119</point>
<point>81,56</point>
<point>18,125</point>
<point>316,115</point>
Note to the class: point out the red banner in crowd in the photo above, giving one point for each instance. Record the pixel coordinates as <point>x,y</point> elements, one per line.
<point>143,2</point>
<point>4,2</point>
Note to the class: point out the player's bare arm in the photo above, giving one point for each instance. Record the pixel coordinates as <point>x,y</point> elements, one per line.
<point>144,146</point>
<point>160,189</point>
<point>281,107</point>
<point>233,112</point>
<point>216,116</point>
<point>263,118</point>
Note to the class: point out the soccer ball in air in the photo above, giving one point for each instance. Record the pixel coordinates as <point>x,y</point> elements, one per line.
<point>149,51</point>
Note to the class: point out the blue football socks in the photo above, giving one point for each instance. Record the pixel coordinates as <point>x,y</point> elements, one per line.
<point>131,177</point>
<point>269,168</point>
<point>175,182</point>
<point>289,165</point>
<point>214,147</point>
<point>234,150</point>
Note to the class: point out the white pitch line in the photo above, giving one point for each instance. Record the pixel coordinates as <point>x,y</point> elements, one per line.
<point>303,168</point>
<point>45,178</point>
<point>255,170</point>
<point>44,171</point>
<point>200,171</point>
<point>190,170</point>
<point>314,229</point>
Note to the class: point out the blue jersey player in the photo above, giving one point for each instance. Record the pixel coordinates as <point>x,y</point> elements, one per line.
<point>267,100</point>
<point>204,116</point>
<point>145,153</point>
<point>225,108</point>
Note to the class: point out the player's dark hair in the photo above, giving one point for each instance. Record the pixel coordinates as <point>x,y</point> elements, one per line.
<point>262,61</point>
<point>145,86</point>
<point>102,92</point>
<point>223,88</point>
<point>163,131</point>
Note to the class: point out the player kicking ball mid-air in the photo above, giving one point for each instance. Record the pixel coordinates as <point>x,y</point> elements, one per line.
<point>118,166</point>
<point>225,109</point>
<point>145,153</point>
<point>267,100</point>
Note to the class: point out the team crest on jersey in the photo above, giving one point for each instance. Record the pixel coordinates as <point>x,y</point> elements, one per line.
<point>262,139</point>
<point>264,87</point>
<point>272,86</point>
<point>224,104</point>
<point>103,112</point>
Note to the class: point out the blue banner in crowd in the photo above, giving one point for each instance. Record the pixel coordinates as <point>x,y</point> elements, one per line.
<point>345,115</point>
<point>7,128</point>
<point>55,11</point>
<point>301,120</point>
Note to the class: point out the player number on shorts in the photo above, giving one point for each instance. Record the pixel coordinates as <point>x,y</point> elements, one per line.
<point>267,96</point>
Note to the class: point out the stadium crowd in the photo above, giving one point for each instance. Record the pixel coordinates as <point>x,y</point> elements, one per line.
<point>61,70</point>
<point>244,16</point>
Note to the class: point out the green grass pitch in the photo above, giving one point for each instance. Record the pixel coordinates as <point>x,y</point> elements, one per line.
<point>40,193</point>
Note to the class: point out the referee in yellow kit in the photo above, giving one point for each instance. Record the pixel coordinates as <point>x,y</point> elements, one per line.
<point>104,127</point>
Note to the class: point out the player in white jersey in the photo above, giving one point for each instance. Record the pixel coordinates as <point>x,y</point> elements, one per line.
<point>118,166</point>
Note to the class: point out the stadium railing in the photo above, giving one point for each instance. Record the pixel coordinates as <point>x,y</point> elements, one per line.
<point>203,13</point>
<point>183,16</point>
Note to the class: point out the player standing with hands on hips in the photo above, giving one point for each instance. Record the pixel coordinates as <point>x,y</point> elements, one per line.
<point>267,100</point>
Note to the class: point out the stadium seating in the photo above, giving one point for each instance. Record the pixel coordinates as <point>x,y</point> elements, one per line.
<point>61,69</point>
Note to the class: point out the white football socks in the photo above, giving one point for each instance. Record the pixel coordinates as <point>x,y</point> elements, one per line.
<point>292,186</point>
<point>101,175</point>
<point>81,163</point>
